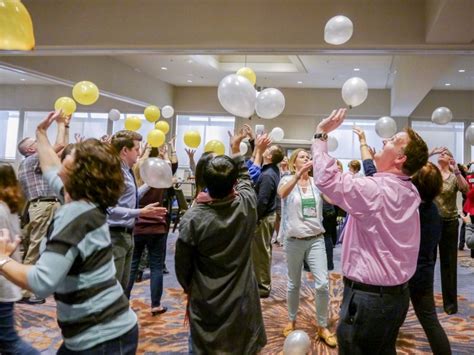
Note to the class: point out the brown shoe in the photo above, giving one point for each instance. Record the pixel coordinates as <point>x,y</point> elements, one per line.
<point>288,329</point>
<point>328,337</point>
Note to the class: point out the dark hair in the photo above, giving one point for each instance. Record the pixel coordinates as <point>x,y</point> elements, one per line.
<point>220,174</point>
<point>126,139</point>
<point>67,150</point>
<point>355,165</point>
<point>10,190</point>
<point>96,174</point>
<point>199,173</point>
<point>428,181</point>
<point>277,154</point>
<point>416,152</point>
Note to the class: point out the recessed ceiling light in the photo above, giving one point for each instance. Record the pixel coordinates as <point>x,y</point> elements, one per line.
<point>137,70</point>
<point>189,81</point>
<point>447,84</point>
<point>300,82</point>
<point>190,61</point>
<point>22,79</point>
<point>356,69</point>
<point>462,70</point>
<point>164,68</point>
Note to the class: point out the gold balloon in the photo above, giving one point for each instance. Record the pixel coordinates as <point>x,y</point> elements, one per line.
<point>16,28</point>
<point>156,138</point>
<point>248,73</point>
<point>163,126</point>
<point>215,146</point>
<point>66,104</point>
<point>85,92</point>
<point>152,113</point>
<point>192,139</point>
<point>133,123</point>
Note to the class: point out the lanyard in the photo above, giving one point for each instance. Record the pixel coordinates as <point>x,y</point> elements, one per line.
<point>308,205</point>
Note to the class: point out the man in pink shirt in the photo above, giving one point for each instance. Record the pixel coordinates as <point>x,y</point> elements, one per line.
<point>381,238</point>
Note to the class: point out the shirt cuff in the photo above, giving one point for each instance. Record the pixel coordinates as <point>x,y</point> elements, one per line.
<point>320,146</point>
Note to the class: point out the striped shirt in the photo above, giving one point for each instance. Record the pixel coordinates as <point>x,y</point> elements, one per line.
<point>76,264</point>
<point>32,182</point>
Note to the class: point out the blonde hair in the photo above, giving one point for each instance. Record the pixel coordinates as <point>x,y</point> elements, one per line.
<point>293,156</point>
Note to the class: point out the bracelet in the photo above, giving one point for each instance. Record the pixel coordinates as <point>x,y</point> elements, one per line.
<point>67,126</point>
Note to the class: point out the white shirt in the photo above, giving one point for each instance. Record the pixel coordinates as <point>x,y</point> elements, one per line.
<point>292,222</point>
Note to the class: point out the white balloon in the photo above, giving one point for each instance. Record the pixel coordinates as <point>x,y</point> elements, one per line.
<point>442,115</point>
<point>277,134</point>
<point>270,103</point>
<point>114,115</point>
<point>470,135</point>
<point>386,127</point>
<point>296,343</point>
<point>338,30</point>
<point>332,143</point>
<point>167,111</point>
<point>243,148</point>
<point>237,95</point>
<point>156,172</point>
<point>354,91</point>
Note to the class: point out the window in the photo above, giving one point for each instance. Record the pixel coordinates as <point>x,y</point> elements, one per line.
<point>450,135</point>
<point>89,125</point>
<point>9,123</point>
<point>348,143</point>
<point>210,127</point>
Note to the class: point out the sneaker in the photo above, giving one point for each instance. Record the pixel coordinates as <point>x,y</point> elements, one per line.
<point>32,300</point>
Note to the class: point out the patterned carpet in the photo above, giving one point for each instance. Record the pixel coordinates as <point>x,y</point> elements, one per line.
<point>167,334</point>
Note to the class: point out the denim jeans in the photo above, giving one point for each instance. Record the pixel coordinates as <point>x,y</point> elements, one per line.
<point>125,344</point>
<point>313,251</point>
<point>10,342</point>
<point>369,322</point>
<point>155,244</point>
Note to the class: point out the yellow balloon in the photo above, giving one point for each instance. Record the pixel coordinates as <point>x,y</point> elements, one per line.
<point>155,138</point>
<point>16,28</point>
<point>85,92</point>
<point>66,104</point>
<point>192,139</point>
<point>163,126</point>
<point>152,113</point>
<point>215,146</point>
<point>133,123</point>
<point>248,73</point>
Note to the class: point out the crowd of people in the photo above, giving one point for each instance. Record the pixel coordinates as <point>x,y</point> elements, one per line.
<point>88,218</point>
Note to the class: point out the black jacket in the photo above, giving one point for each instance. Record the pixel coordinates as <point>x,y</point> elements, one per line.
<point>266,188</point>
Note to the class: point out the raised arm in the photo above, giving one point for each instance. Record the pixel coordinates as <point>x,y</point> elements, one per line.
<point>47,154</point>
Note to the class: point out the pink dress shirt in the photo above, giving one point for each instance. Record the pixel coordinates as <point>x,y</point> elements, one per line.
<point>382,235</point>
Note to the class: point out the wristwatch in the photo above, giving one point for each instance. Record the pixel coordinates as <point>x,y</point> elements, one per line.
<point>4,261</point>
<point>321,136</point>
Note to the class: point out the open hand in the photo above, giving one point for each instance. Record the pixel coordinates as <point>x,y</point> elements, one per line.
<point>332,122</point>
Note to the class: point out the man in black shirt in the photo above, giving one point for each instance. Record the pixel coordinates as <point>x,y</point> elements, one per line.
<point>266,188</point>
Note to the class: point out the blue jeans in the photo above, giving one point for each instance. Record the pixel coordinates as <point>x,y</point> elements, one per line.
<point>156,244</point>
<point>10,342</point>
<point>313,251</point>
<point>125,344</point>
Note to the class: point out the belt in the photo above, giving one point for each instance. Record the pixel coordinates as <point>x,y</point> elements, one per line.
<point>128,230</point>
<point>307,238</point>
<point>44,199</point>
<point>394,290</point>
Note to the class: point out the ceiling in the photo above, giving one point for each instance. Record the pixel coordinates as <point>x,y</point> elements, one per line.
<point>290,71</point>
<point>10,76</point>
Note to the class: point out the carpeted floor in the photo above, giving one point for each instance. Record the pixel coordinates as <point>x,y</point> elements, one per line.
<point>167,334</point>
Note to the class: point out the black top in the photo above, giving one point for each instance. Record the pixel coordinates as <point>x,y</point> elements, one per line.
<point>430,223</point>
<point>266,188</point>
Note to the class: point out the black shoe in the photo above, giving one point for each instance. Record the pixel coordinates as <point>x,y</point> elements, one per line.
<point>32,300</point>
<point>165,271</point>
<point>139,277</point>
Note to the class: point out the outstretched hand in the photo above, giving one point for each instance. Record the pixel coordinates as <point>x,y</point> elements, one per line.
<point>360,133</point>
<point>332,122</point>
<point>44,125</point>
<point>7,246</point>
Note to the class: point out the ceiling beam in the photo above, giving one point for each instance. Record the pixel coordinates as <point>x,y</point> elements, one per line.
<point>114,78</point>
<point>226,26</point>
<point>415,76</point>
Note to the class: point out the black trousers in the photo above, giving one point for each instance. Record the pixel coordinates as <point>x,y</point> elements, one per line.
<point>424,306</point>
<point>369,322</point>
<point>330,236</point>
<point>448,259</point>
